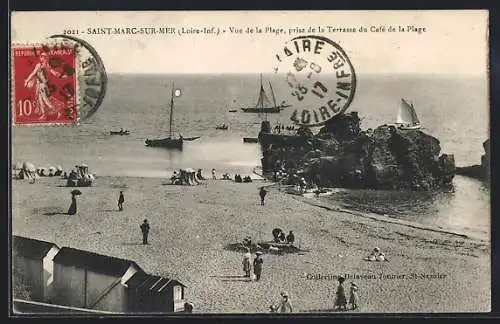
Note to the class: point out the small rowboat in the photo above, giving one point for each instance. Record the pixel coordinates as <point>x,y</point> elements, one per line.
<point>121,132</point>
<point>250,140</point>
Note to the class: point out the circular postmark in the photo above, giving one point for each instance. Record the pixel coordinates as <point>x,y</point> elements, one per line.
<point>92,79</point>
<point>319,78</point>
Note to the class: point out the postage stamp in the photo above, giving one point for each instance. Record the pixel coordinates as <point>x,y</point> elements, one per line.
<point>320,77</point>
<point>62,81</point>
<point>44,84</point>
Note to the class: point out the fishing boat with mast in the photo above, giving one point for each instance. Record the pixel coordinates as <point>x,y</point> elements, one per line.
<point>407,118</point>
<point>170,141</point>
<point>264,105</point>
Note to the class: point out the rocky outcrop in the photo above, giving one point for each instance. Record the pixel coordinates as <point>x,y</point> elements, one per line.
<point>482,171</point>
<point>342,155</point>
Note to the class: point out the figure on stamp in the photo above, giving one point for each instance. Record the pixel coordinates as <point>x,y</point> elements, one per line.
<point>44,102</point>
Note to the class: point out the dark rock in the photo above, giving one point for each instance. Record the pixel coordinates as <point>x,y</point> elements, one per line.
<point>481,172</point>
<point>342,155</point>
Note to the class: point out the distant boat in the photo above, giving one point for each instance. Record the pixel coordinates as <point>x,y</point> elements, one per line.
<point>233,110</point>
<point>407,117</point>
<point>120,132</point>
<point>250,140</point>
<point>264,105</point>
<point>190,138</point>
<point>170,141</point>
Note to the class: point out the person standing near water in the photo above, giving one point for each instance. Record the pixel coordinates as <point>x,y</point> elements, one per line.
<point>262,194</point>
<point>72,207</point>
<point>145,231</point>
<point>121,200</point>
<point>214,176</point>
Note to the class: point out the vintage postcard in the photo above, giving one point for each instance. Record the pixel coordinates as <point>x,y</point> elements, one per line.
<point>250,162</point>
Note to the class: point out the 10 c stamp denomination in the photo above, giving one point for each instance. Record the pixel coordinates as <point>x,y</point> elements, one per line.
<point>44,84</point>
<point>319,77</point>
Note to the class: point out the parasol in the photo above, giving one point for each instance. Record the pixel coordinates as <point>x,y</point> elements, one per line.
<point>76,192</point>
<point>52,169</point>
<point>59,168</point>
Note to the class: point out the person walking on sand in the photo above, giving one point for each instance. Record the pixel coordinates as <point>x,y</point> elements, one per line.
<point>340,299</point>
<point>285,304</point>
<point>145,231</point>
<point>257,265</point>
<point>72,207</point>
<point>290,238</point>
<point>214,176</point>
<point>121,200</point>
<point>262,194</point>
<point>246,263</point>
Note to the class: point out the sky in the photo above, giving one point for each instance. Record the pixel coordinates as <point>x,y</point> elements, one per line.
<point>454,42</point>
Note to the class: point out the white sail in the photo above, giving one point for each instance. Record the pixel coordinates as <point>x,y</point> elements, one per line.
<point>407,115</point>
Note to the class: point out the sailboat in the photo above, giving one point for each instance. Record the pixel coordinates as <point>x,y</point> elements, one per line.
<point>170,141</point>
<point>264,105</point>
<point>407,117</point>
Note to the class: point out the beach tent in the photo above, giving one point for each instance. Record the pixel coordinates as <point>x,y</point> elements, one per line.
<point>52,170</point>
<point>188,177</point>
<point>29,171</point>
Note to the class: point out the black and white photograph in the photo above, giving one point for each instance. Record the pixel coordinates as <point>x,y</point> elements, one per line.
<point>242,162</point>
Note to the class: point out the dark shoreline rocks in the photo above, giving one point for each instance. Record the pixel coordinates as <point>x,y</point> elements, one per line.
<point>478,171</point>
<point>343,155</point>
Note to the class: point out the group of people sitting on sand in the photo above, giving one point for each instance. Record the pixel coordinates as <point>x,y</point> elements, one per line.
<point>239,179</point>
<point>376,255</point>
<point>279,236</point>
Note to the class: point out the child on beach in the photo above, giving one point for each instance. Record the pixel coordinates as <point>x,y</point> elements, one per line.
<point>353,296</point>
<point>285,304</point>
<point>262,194</point>
<point>340,300</point>
<point>246,263</point>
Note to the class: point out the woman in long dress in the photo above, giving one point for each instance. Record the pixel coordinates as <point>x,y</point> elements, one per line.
<point>340,300</point>
<point>39,78</point>
<point>72,207</point>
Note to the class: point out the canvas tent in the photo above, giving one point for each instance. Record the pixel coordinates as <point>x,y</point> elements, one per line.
<point>186,177</point>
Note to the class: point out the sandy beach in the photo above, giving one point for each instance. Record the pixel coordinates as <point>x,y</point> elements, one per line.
<point>428,271</point>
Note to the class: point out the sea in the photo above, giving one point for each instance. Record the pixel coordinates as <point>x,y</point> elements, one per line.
<point>454,109</point>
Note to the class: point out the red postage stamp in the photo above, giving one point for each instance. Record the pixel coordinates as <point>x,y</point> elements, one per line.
<point>44,85</point>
